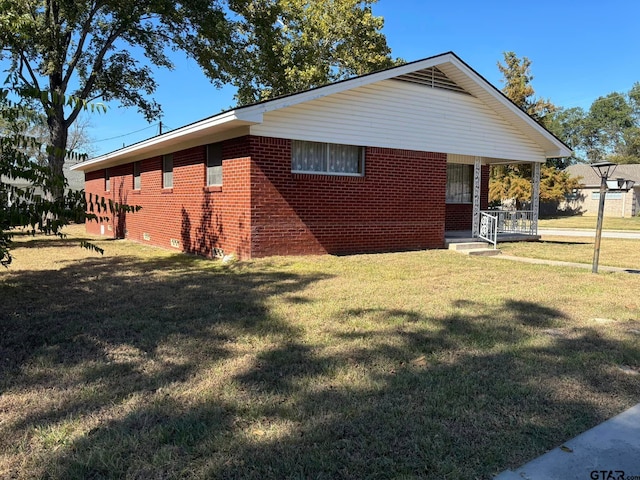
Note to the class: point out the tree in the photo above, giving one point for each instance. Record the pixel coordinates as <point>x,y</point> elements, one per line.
<point>612,128</point>
<point>294,45</point>
<point>517,78</point>
<point>25,183</point>
<point>78,51</point>
<point>568,125</point>
<point>514,181</point>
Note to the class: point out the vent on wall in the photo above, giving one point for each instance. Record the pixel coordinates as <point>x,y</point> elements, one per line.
<point>432,77</point>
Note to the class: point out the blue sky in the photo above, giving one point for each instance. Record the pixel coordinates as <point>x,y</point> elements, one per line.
<point>579,51</point>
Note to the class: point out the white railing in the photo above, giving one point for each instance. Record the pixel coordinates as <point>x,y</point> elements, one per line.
<point>513,221</point>
<point>489,228</point>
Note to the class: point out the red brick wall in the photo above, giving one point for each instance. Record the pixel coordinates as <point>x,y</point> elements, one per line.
<point>459,216</point>
<point>199,218</point>
<point>397,205</point>
<point>263,209</point>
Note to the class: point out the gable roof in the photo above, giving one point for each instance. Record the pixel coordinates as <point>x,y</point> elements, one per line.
<point>591,179</point>
<point>446,71</point>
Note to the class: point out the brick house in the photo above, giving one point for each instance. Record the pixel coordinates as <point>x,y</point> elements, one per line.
<point>383,162</point>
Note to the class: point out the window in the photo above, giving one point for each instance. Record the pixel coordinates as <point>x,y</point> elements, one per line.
<point>330,158</point>
<point>459,183</point>
<point>107,180</point>
<point>608,196</point>
<point>214,164</point>
<point>136,175</point>
<point>167,171</point>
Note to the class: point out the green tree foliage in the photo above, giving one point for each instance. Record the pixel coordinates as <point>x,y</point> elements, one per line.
<point>568,125</point>
<point>25,184</point>
<point>611,128</point>
<point>294,45</point>
<point>78,51</point>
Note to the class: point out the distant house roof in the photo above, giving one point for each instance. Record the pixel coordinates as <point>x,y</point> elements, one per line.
<point>445,71</point>
<point>591,179</point>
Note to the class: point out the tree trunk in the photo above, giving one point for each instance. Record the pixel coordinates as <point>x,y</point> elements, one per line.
<point>58,133</point>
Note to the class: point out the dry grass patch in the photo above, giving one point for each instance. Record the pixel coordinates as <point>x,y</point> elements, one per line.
<point>148,364</point>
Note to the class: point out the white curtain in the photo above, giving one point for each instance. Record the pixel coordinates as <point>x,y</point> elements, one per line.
<point>344,158</point>
<point>325,157</point>
<point>459,183</point>
<point>308,156</point>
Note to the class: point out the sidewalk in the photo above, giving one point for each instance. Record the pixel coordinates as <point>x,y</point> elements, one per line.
<point>609,450</point>
<point>558,263</point>
<point>580,232</point>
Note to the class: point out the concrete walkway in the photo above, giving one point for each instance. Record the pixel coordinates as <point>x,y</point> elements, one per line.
<point>576,232</point>
<point>612,449</point>
<point>583,232</point>
<point>558,263</point>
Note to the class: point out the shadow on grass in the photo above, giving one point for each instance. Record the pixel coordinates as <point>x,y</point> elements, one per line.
<point>120,327</point>
<point>463,395</point>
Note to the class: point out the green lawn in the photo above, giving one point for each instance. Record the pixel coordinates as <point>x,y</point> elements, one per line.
<point>148,364</point>
<point>579,221</point>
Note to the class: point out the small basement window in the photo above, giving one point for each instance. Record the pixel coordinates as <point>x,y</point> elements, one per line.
<point>459,183</point>
<point>327,158</point>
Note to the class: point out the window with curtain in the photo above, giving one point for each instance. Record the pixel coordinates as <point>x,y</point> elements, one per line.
<point>167,171</point>
<point>330,158</point>
<point>214,164</point>
<point>459,183</point>
<point>107,180</point>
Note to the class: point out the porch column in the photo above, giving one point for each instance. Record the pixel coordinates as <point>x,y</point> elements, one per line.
<point>477,180</point>
<point>535,197</point>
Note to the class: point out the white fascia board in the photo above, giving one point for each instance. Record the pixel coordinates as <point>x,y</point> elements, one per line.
<point>555,148</point>
<point>178,139</point>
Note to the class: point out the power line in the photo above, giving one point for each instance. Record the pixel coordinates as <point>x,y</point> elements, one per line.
<point>126,134</point>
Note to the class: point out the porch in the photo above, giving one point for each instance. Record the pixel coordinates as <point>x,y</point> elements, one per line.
<point>467,195</point>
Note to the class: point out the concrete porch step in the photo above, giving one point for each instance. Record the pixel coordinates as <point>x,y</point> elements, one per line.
<point>474,248</point>
<point>467,245</point>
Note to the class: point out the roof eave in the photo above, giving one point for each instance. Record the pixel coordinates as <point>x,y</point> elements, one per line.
<point>555,148</point>
<point>163,144</point>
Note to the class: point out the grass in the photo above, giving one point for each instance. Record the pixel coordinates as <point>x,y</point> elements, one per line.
<point>579,221</point>
<point>148,364</point>
<point>614,252</point>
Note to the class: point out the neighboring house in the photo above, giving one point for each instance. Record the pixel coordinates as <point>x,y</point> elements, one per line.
<point>383,162</point>
<point>75,178</point>
<point>617,204</point>
<point>75,181</point>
